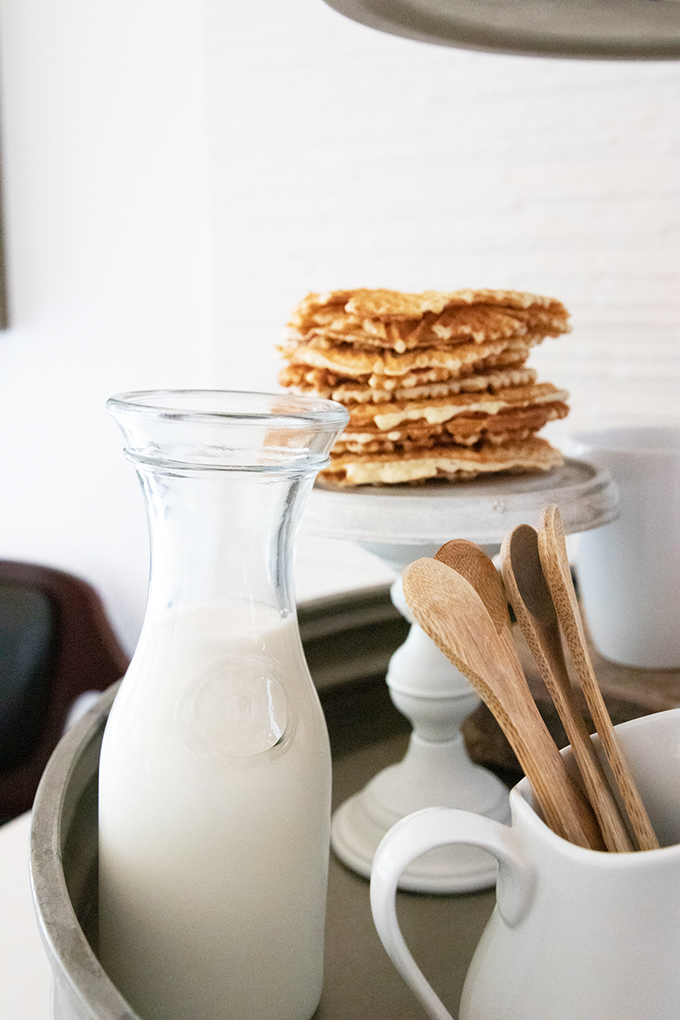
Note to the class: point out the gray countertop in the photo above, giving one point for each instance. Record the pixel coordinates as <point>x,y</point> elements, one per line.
<point>360,982</point>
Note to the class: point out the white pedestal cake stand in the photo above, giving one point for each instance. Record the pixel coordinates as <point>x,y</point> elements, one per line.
<point>400,524</point>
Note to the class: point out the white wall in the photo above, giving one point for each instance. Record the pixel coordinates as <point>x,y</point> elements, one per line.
<point>343,157</point>
<point>177,175</point>
<point>104,151</point>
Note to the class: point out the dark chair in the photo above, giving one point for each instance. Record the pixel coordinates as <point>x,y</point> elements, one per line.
<point>55,643</point>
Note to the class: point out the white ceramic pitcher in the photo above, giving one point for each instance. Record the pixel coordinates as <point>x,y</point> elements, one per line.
<point>576,934</point>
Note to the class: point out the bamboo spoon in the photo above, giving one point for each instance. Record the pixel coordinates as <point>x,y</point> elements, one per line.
<point>530,597</point>
<point>452,614</point>
<point>476,567</point>
<point>555,562</point>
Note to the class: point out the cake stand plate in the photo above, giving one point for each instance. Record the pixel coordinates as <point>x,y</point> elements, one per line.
<point>400,524</point>
<point>482,510</point>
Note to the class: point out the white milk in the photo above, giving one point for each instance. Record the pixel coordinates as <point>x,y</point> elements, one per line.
<point>214,813</point>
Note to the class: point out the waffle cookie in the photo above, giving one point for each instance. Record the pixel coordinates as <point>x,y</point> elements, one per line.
<point>454,463</point>
<point>436,384</point>
<point>390,319</point>
<point>411,386</point>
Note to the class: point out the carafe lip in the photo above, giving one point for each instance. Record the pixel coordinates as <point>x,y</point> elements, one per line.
<point>188,430</point>
<point>243,406</point>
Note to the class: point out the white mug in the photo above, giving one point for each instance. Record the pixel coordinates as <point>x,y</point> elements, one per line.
<point>576,934</point>
<point>629,570</point>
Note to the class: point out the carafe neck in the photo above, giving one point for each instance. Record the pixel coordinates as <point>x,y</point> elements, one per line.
<point>219,538</point>
<point>225,476</point>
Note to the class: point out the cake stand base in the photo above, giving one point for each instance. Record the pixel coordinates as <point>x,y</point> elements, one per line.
<point>361,822</point>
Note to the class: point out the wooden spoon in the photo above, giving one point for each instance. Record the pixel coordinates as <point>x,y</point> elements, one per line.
<point>530,597</point>
<point>476,567</point>
<point>452,614</point>
<point>553,553</point>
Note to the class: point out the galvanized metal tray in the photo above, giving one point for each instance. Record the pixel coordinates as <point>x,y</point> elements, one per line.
<point>348,641</point>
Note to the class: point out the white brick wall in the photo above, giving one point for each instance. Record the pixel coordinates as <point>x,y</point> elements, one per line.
<point>343,157</point>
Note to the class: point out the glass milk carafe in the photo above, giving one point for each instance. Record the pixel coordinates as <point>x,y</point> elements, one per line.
<point>215,774</point>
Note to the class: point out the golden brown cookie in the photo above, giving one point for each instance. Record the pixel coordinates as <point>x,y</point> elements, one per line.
<point>401,322</point>
<point>435,383</point>
<point>349,362</point>
<point>391,305</point>
<point>459,324</point>
<point>331,386</point>
<point>448,462</point>
<point>466,429</point>
<point>442,409</point>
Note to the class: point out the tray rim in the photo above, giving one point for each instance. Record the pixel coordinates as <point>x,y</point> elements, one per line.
<point>591,30</point>
<point>63,782</point>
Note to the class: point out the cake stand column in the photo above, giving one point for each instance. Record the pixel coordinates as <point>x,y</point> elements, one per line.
<point>400,524</point>
<point>436,770</point>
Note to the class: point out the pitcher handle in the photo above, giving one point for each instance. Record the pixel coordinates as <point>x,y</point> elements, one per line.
<point>425,830</point>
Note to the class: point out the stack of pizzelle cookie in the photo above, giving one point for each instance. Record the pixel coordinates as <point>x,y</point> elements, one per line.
<point>436,384</point>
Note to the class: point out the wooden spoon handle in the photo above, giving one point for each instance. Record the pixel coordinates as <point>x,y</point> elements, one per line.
<point>451,613</point>
<point>543,640</point>
<point>553,553</point>
<point>614,831</point>
<point>562,804</point>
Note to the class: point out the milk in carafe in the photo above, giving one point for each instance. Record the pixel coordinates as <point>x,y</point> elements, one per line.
<point>213,838</point>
